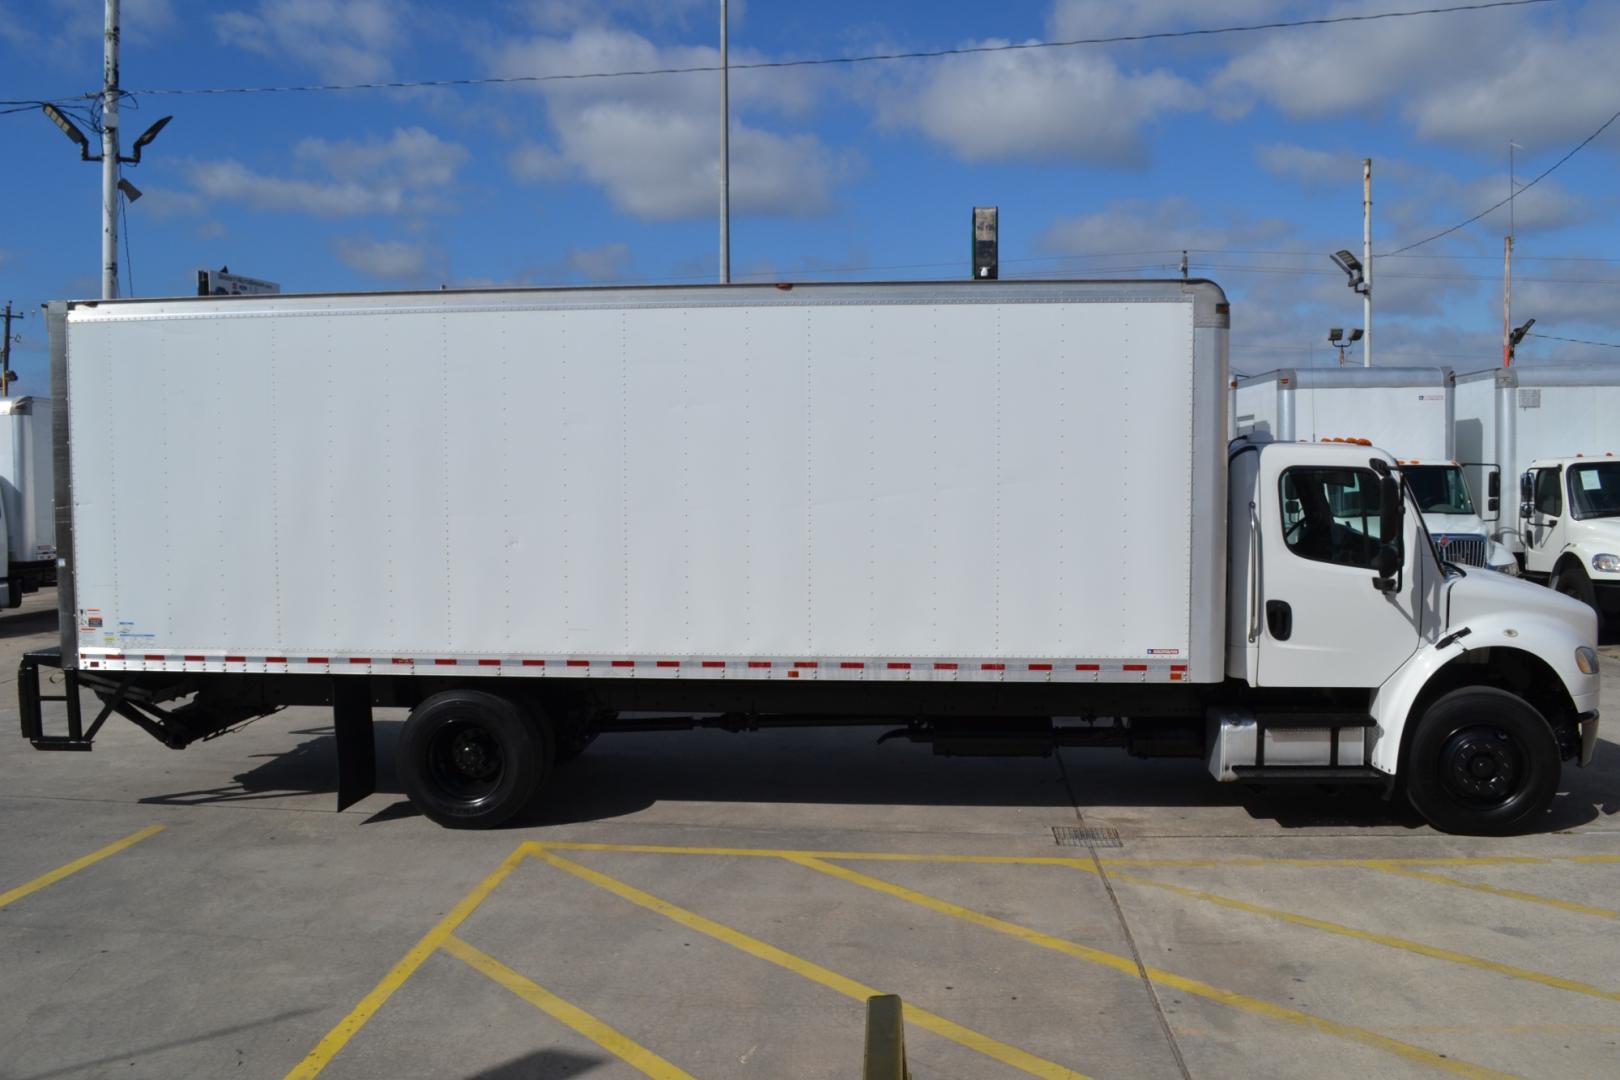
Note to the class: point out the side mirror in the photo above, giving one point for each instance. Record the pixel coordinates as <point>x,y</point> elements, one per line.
<point>1390,511</point>
<point>1526,509</point>
<point>1527,488</point>
<point>1493,492</point>
<point>1387,561</point>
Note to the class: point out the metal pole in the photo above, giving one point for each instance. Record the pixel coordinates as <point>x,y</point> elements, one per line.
<point>1366,262</point>
<point>5,356</point>
<point>109,156</point>
<point>725,150</point>
<point>1507,301</point>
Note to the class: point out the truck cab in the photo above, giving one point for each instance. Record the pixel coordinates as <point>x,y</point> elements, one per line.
<point>1451,515</point>
<point>1473,685</point>
<point>1569,511</point>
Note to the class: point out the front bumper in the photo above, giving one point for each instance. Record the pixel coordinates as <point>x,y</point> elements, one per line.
<point>1589,733</point>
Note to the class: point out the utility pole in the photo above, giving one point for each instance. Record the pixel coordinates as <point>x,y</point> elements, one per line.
<point>6,376</point>
<point>725,149</point>
<point>1366,262</point>
<point>1507,268</point>
<point>109,155</point>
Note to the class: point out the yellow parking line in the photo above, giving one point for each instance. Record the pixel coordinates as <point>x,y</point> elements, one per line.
<point>1493,890</point>
<point>1554,981</point>
<point>1125,965</point>
<point>346,1028</point>
<point>11,896</point>
<point>973,1040</point>
<point>614,1042</point>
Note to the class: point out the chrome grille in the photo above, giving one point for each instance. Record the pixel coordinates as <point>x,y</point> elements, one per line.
<point>1462,548</point>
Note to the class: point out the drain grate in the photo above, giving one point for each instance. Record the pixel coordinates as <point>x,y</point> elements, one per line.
<point>1074,836</point>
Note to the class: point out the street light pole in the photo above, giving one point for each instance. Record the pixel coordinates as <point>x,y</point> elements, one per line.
<point>1366,262</point>
<point>109,155</point>
<point>725,150</point>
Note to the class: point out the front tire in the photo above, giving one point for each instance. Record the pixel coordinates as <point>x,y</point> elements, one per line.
<point>1482,762</point>
<point>1572,581</point>
<point>470,760</point>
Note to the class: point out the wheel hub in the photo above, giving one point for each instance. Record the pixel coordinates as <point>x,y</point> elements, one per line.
<point>1481,765</point>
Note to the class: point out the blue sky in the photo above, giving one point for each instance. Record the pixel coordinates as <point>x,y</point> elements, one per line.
<point>1105,161</point>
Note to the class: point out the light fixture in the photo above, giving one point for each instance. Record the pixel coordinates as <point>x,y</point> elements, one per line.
<point>1351,266</point>
<point>69,128</point>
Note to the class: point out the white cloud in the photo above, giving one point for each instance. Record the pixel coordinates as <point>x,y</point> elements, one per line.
<point>406,173</point>
<point>1041,105</point>
<point>652,144</point>
<point>342,40</point>
<point>392,260</point>
<point>64,30</point>
<point>1072,19</point>
<point>610,262</point>
<point>1163,227</point>
<point>532,163</point>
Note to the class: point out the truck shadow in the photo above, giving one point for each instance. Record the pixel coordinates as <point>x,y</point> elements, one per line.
<point>26,623</point>
<point>309,768</point>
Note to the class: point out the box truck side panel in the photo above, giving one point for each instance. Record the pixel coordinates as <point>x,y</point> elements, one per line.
<point>617,479</point>
<point>1408,421</point>
<point>1561,421</point>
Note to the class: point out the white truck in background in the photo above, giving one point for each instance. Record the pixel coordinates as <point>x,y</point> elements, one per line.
<point>997,517</point>
<point>1405,410</point>
<point>26,498</point>
<point>1557,428</point>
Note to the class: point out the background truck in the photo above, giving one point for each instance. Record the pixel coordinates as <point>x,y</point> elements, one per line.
<point>996,517</point>
<point>26,496</point>
<point>1406,410</point>
<point>1538,423</point>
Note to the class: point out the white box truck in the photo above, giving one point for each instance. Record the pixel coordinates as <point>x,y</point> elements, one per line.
<point>1405,410</point>
<point>26,496</point>
<point>1000,517</point>
<point>1557,428</point>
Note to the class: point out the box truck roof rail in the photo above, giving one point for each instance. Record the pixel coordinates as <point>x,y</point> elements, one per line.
<point>1531,375</point>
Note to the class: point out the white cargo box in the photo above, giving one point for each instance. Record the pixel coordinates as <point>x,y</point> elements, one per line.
<point>26,480</point>
<point>950,481</point>
<point>1404,410</point>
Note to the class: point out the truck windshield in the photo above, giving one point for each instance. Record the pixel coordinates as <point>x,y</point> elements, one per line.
<point>1439,489</point>
<point>1594,490</point>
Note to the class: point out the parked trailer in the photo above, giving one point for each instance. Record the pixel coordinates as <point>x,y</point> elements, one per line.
<point>1406,410</point>
<point>1557,428</point>
<point>962,510</point>
<point>26,496</point>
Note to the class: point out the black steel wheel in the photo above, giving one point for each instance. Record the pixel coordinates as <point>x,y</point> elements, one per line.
<point>1482,762</point>
<point>470,760</point>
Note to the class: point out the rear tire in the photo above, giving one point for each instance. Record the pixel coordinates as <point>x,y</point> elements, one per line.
<point>1482,762</point>
<point>470,760</point>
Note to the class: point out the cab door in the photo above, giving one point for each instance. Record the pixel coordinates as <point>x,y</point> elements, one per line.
<point>1546,509</point>
<point>1327,617</point>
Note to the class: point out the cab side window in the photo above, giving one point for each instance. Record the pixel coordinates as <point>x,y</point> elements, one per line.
<point>1549,493</point>
<point>1332,514</point>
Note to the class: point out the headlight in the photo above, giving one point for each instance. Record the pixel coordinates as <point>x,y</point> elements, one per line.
<point>1586,659</point>
<point>1611,563</point>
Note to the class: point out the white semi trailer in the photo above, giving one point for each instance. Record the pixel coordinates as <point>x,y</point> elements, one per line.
<point>1000,517</point>
<point>28,535</point>
<point>1405,410</point>
<point>1557,428</point>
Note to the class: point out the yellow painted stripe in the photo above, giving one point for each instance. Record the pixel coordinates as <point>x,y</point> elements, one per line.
<point>346,1028</point>
<point>11,896</point>
<point>1493,890</point>
<point>613,1041</point>
<point>1554,981</point>
<point>1125,965</point>
<point>1066,860</point>
<point>973,1040</point>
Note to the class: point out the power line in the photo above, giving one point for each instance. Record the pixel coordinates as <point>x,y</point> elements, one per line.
<point>826,61</point>
<point>1497,206</point>
<point>1576,340</point>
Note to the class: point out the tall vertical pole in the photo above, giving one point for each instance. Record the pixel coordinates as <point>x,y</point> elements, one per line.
<point>1366,262</point>
<point>1507,301</point>
<point>725,150</point>
<point>109,156</point>
<point>5,356</point>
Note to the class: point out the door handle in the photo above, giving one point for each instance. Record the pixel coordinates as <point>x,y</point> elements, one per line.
<point>1279,619</point>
